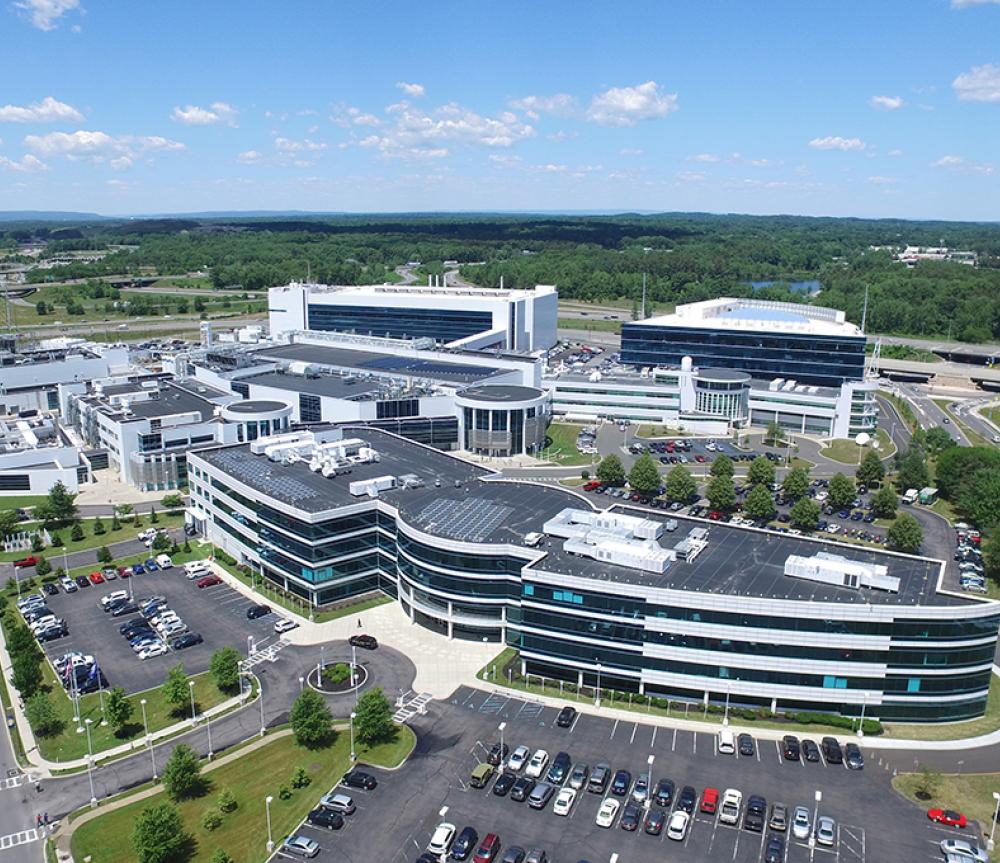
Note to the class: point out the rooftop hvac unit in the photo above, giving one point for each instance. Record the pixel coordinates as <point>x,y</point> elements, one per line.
<point>833,569</point>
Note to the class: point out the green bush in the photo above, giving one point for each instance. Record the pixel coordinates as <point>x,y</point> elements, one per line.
<point>284,792</point>
<point>226,801</point>
<point>336,673</point>
<point>300,778</point>
<point>211,819</point>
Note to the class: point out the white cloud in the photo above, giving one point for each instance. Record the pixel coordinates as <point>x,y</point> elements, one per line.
<point>960,165</point>
<point>288,145</point>
<point>968,4</point>
<point>631,151</point>
<point>895,152</point>
<point>27,164</point>
<point>979,84</point>
<point>49,110</point>
<point>119,152</point>
<point>704,157</point>
<point>414,91</point>
<point>45,14</point>
<point>883,181</point>
<point>835,142</point>
<point>691,176</point>
<point>626,106</point>
<point>763,163</point>
<point>559,105</point>
<point>886,103</point>
<point>193,115</point>
<point>248,157</point>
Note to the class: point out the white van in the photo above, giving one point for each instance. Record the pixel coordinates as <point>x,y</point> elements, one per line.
<point>163,561</point>
<point>196,569</point>
<point>727,742</point>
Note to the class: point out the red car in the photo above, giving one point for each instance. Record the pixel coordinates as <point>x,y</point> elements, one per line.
<point>209,581</point>
<point>124,572</point>
<point>488,850</point>
<point>30,560</point>
<point>949,817</point>
<point>715,515</point>
<point>709,800</point>
<point>700,459</point>
<point>96,578</point>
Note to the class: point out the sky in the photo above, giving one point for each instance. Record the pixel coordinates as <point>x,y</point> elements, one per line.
<point>867,109</point>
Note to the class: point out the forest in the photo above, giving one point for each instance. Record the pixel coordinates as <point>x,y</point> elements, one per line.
<point>685,256</point>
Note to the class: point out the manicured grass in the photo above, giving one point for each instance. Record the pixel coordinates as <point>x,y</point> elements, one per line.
<point>993,415</point>
<point>561,445</point>
<point>844,451</point>
<point>251,778</point>
<point>20,501</point>
<point>590,324</point>
<point>903,408</point>
<point>655,431</point>
<point>944,509</point>
<point>990,721</point>
<point>126,531</point>
<point>969,793</point>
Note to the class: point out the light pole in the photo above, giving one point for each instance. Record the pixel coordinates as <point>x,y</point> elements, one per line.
<point>725,719</point>
<point>354,672</point>
<point>354,755</point>
<point>597,700</point>
<point>260,698</point>
<point>267,809</point>
<point>861,724</point>
<point>812,835</point>
<point>500,728</point>
<point>191,690</point>
<point>149,740</point>
<point>649,782</point>
<point>100,695</point>
<point>302,684</point>
<point>208,725</point>
<point>90,763</point>
<point>996,812</point>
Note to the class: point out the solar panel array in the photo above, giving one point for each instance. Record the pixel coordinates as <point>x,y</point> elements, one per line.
<point>264,475</point>
<point>428,368</point>
<point>472,518</point>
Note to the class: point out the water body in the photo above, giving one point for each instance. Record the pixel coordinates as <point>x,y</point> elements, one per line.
<point>810,288</point>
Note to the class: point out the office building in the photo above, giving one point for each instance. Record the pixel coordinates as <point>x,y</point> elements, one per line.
<point>35,454</point>
<point>674,607</point>
<point>458,317</point>
<point>807,344</point>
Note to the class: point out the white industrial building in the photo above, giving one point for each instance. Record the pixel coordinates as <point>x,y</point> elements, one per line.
<point>35,454</point>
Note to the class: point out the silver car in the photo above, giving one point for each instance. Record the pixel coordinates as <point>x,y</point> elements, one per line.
<point>801,823</point>
<point>826,830</point>
<point>579,776</point>
<point>300,846</point>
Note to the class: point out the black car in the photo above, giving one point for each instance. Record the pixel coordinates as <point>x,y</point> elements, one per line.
<point>514,854</point>
<point>756,814</point>
<point>189,639</point>
<point>465,843</point>
<point>323,817</point>
<point>85,681</point>
<point>522,787</point>
<point>359,779</point>
<point>498,754</point>
<point>505,781</point>
<point>631,816</point>
<point>790,748</point>
<point>559,769</point>
<point>832,751</point>
<point>255,611</point>
<point>810,750</point>
<point>566,717</point>
<point>852,754</point>
<point>368,642</point>
<point>82,581</point>
<point>51,633</point>
<point>687,799</point>
<point>135,624</point>
<point>655,818</point>
<point>664,793</point>
<point>621,783</point>
<point>50,588</point>
<point>745,742</point>
<point>775,850</point>
<point>123,609</point>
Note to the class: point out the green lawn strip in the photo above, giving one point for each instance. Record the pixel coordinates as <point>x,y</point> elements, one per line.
<point>589,324</point>
<point>844,451</point>
<point>993,415</point>
<point>20,501</point>
<point>659,431</point>
<point>561,445</point>
<point>15,735</point>
<point>975,438</point>
<point>125,532</point>
<point>969,793</point>
<point>68,745</point>
<point>988,722</point>
<point>353,608</point>
<point>260,773</point>
<point>903,408</point>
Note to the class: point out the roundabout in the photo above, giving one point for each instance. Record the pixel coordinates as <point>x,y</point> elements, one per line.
<point>337,677</point>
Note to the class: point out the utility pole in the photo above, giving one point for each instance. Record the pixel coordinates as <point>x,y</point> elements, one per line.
<point>642,313</point>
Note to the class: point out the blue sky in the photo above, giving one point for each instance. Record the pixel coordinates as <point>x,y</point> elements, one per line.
<point>821,108</point>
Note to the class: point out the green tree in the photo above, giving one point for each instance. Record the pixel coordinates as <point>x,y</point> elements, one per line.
<point>175,689</point>
<point>43,567</point>
<point>27,676</point>
<point>36,542</point>
<point>759,504</point>
<point>644,477</point>
<point>991,557</point>
<point>871,471</point>
<point>59,506</point>
<point>905,534</point>
<point>841,491</point>
<point>775,434</point>
<point>980,498</point>
<point>56,541</point>
<point>154,516</point>
<point>220,856</point>
<point>310,719</point>
<point>161,542</point>
<point>172,501</point>
<point>373,722</point>
<point>124,510</point>
<point>20,642</point>
<point>885,502</point>
<point>9,522</point>
<point>158,835</point>
<point>680,485</point>
<point>804,513</point>
<point>225,669</point>
<point>76,534</point>
<point>118,709</point>
<point>796,483</point>
<point>722,465</point>
<point>721,493</point>
<point>115,524</point>
<point>182,777</point>
<point>226,801</point>
<point>956,467</point>
<point>104,555</point>
<point>610,470</point>
<point>912,470</point>
<point>42,715</point>
<point>761,471</point>
<point>938,439</point>
<point>98,527</point>
<point>41,308</point>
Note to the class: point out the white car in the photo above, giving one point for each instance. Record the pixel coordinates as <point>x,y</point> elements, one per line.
<point>518,758</point>
<point>157,649</point>
<point>964,848</point>
<point>608,812</point>
<point>163,561</point>
<point>801,823</point>
<point>43,622</point>
<point>678,825</point>
<point>536,767</point>
<point>444,835</point>
<point>826,830</point>
<point>114,596</point>
<point>147,534</point>
<point>564,801</point>
<point>284,624</point>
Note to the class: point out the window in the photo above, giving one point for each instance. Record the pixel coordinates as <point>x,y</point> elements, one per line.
<point>913,684</point>
<point>240,389</point>
<point>15,482</point>
<point>397,408</point>
<point>310,408</point>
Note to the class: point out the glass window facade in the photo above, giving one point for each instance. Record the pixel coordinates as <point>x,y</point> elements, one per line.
<point>446,325</point>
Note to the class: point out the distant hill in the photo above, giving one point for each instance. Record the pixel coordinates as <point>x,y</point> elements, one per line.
<point>47,216</point>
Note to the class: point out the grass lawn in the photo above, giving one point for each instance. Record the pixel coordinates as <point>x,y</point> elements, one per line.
<point>20,501</point>
<point>844,451</point>
<point>970,793</point>
<point>125,532</point>
<point>561,445</point>
<point>251,778</point>
<point>591,324</point>
<point>658,431</point>
<point>903,408</point>
<point>990,721</point>
<point>944,509</point>
<point>993,415</point>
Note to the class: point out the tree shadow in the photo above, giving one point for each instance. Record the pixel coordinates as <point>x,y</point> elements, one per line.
<point>128,731</point>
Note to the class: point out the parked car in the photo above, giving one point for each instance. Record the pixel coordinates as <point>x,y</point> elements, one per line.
<point>566,717</point>
<point>826,830</point>
<point>29,560</point>
<point>810,751</point>
<point>541,794</point>
<point>123,608</point>
<point>156,649</point>
<point>50,588</point>
<point>536,766</point>
<point>852,755</point>
<point>599,778</point>
<point>564,801</point>
<point>82,581</point>
<point>360,779</point>
<point>655,820</point>
<point>325,818</point>
<point>300,846</point>
<point>631,816</point>
<point>488,850</point>
<point>964,849</point>
<point>709,800</point>
<point>256,611</point>
<point>578,776</point>
<point>779,817</point>
<point>208,581</point>
<point>464,843</point>
<point>678,825</point>
<point>368,642</point>
<point>67,584</point>
<point>948,817</point>
<point>621,783</point>
<point>774,851</point>
<point>663,794</point>
<point>687,799</point>
<point>518,758</point>
<point>113,597</point>
<point>801,823</point>
<point>498,754</point>
<point>284,624</point>
<point>756,813</point>
<point>790,748</point>
<point>559,769</point>
<point>505,781</point>
<point>832,751</point>
<point>189,639</point>
<point>607,812</point>
<point>338,802</point>
<point>522,787</point>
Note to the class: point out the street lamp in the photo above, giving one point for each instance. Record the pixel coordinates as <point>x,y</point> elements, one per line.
<point>812,836</point>
<point>267,809</point>
<point>500,728</point>
<point>597,700</point>
<point>996,812</point>
<point>260,698</point>
<point>149,740</point>
<point>354,756</point>
<point>90,763</point>
<point>191,690</point>
<point>354,672</point>
<point>861,724</point>
<point>649,782</point>
<point>725,718</point>
<point>302,683</point>
<point>208,725</point>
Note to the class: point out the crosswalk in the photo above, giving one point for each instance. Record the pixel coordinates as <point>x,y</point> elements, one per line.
<point>12,782</point>
<point>412,707</point>
<point>268,654</point>
<point>22,838</point>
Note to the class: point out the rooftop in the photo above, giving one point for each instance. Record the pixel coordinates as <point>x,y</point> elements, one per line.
<point>501,393</point>
<point>757,315</point>
<point>168,399</point>
<point>418,290</point>
<point>331,386</point>
<point>462,501</point>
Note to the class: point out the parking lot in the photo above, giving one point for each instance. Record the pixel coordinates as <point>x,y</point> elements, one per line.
<point>217,613</point>
<point>395,821</point>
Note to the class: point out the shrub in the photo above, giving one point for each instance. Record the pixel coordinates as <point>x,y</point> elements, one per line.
<point>336,673</point>
<point>284,792</point>
<point>300,779</point>
<point>211,819</point>
<point>226,801</point>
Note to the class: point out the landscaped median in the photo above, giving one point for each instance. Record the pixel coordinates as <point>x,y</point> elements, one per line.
<point>250,776</point>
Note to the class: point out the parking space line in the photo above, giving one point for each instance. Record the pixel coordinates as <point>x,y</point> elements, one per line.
<point>673,742</point>
<point>576,719</point>
<point>614,728</point>
<point>756,751</point>
<point>652,742</point>
<point>777,751</point>
<point>695,744</point>
<point>635,728</point>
